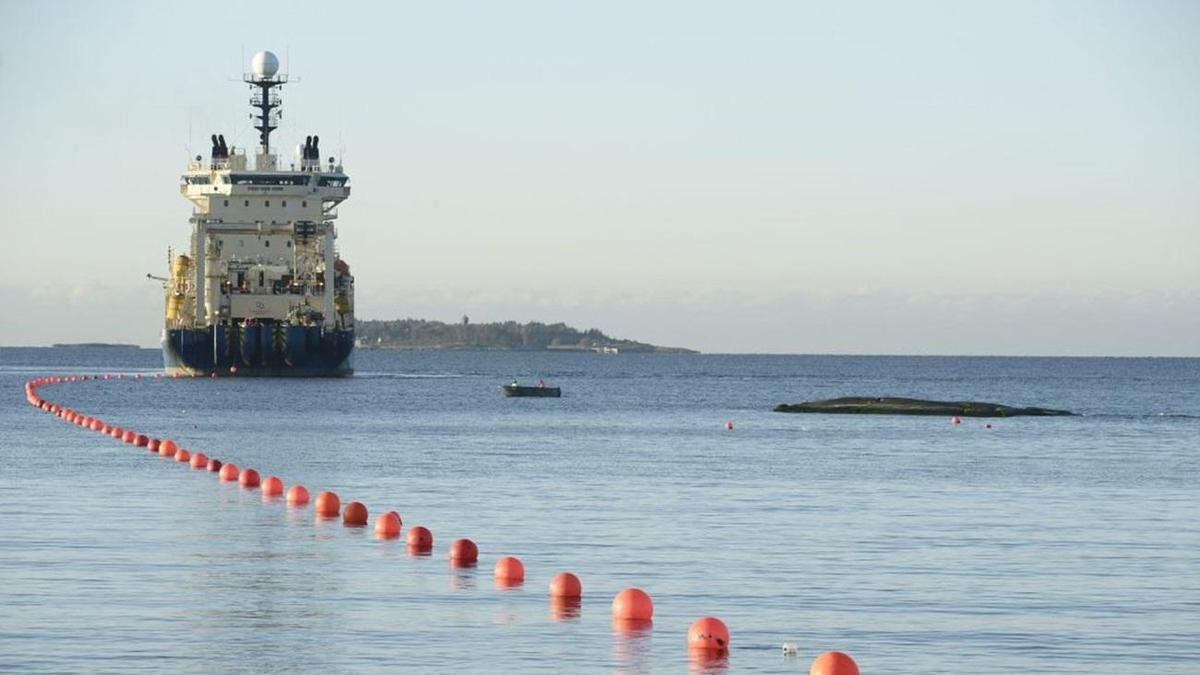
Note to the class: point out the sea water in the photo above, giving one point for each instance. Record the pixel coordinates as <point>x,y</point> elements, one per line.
<point>1065,544</point>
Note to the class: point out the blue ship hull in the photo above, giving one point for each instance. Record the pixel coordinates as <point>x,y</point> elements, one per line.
<point>266,349</point>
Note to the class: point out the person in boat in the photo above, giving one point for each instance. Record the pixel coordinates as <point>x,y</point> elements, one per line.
<point>514,384</point>
<point>541,383</point>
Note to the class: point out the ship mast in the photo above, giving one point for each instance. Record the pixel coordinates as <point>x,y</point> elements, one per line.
<point>264,77</point>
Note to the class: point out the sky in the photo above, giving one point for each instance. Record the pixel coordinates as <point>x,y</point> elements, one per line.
<point>1011,178</point>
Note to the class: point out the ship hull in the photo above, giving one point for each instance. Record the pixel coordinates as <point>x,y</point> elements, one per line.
<point>264,350</point>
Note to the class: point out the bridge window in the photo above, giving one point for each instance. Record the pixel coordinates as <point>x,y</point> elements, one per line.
<point>247,202</point>
<point>267,202</point>
<point>284,204</point>
<point>267,179</point>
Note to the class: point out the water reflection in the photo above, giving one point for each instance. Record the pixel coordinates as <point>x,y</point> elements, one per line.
<point>297,515</point>
<point>326,528</point>
<point>631,645</point>
<point>565,609</point>
<point>702,661</point>
<point>462,578</point>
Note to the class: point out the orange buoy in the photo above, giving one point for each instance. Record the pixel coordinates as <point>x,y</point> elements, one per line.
<point>129,437</point>
<point>199,461</point>
<point>327,505</point>
<point>248,478</point>
<point>141,440</point>
<point>833,663</point>
<point>182,455</point>
<point>708,634</point>
<point>272,486</point>
<point>297,495</point>
<point>387,526</point>
<point>229,473</point>
<point>508,573</point>
<point>633,604</point>
<point>116,432</point>
<point>152,446</point>
<point>956,420</point>
<point>167,448</point>
<point>233,370</point>
<point>214,465</point>
<point>355,515</point>
<point>419,539</point>
<point>463,552</point>
<point>565,585</point>
<point>510,569</point>
<point>729,426</point>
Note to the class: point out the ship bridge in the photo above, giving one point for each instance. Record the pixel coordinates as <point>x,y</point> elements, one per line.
<point>226,191</point>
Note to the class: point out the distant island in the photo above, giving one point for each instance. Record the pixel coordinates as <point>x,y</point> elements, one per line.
<point>509,335</point>
<point>95,345</point>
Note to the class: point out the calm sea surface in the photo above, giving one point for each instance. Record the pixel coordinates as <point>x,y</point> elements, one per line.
<point>1039,545</point>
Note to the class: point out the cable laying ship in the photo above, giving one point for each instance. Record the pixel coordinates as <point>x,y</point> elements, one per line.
<point>263,291</point>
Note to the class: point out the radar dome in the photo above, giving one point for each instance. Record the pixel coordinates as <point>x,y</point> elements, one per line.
<point>264,65</point>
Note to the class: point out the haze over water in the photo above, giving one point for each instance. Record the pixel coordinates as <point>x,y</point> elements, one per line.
<point>1040,545</point>
<point>1011,177</point>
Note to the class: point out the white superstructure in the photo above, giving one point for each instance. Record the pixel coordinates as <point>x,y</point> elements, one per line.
<point>263,239</point>
<point>262,285</point>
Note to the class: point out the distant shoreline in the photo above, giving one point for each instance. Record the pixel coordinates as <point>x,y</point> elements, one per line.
<point>478,348</point>
<point>425,335</point>
<point>660,350</point>
<point>95,345</point>
<point>657,350</point>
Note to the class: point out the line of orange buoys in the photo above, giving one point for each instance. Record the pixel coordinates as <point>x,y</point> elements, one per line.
<point>632,608</point>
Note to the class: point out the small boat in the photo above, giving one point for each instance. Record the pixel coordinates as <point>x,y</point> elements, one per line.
<point>518,390</point>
